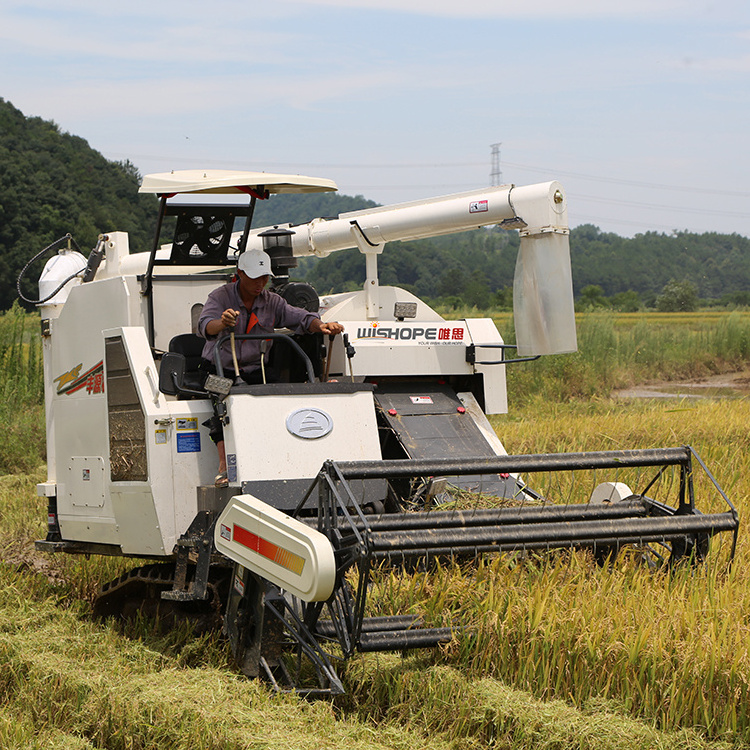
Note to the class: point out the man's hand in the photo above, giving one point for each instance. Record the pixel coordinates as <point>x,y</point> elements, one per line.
<point>228,319</point>
<point>332,328</point>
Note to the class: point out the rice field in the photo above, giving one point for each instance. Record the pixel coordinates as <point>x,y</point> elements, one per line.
<point>557,651</point>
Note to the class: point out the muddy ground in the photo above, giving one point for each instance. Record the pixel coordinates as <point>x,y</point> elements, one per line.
<point>726,385</point>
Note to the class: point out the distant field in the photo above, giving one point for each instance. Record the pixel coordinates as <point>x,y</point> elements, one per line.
<point>559,653</point>
<point>658,318</point>
<point>617,350</point>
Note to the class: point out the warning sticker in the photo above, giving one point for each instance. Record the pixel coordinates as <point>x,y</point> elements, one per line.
<point>187,423</point>
<point>421,399</point>
<point>476,207</point>
<point>189,442</point>
<point>160,437</point>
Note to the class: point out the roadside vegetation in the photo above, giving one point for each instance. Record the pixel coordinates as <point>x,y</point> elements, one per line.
<point>22,439</point>
<point>558,652</point>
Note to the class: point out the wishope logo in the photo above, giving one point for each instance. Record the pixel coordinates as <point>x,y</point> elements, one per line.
<point>438,333</point>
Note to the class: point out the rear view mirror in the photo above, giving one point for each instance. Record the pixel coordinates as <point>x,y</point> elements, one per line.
<point>171,373</point>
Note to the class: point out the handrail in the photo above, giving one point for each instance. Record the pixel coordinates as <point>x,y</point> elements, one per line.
<point>262,336</point>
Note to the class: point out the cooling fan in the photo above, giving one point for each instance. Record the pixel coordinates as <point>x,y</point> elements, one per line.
<point>201,237</point>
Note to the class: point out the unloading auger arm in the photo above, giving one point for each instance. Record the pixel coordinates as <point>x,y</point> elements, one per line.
<point>533,209</point>
<point>543,289</point>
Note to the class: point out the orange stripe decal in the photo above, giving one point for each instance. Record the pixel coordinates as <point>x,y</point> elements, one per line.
<point>269,550</point>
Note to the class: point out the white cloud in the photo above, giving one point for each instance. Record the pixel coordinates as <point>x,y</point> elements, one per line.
<point>350,89</point>
<point>218,97</point>
<point>516,8</point>
<point>185,40</point>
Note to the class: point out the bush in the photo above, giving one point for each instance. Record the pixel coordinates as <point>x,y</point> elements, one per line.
<point>678,296</point>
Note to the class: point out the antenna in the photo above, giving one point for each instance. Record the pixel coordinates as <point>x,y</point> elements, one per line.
<point>496,176</point>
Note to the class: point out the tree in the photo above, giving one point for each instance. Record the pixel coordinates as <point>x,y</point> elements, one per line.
<point>629,301</point>
<point>678,296</point>
<point>477,293</point>
<point>504,298</point>
<point>452,283</point>
<point>592,298</point>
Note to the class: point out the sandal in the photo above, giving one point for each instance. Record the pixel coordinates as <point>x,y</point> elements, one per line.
<point>221,480</point>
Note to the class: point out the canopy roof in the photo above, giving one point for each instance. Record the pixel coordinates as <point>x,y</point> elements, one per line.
<point>228,181</point>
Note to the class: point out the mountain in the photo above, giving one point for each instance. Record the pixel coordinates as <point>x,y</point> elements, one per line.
<point>52,183</point>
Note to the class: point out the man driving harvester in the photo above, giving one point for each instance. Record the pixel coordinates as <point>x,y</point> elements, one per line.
<point>246,306</point>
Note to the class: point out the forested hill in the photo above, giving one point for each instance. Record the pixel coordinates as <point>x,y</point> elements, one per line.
<point>52,183</point>
<point>717,264</point>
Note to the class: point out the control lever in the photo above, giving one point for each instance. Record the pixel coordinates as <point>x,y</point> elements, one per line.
<point>349,354</point>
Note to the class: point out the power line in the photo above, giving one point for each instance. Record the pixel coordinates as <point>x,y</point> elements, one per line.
<point>642,227</point>
<point>294,166</point>
<point>656,207</point>
<point>552,172</point>
<point>632,183</point>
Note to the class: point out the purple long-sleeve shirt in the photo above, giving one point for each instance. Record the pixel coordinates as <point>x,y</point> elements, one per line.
<point>272,312</point>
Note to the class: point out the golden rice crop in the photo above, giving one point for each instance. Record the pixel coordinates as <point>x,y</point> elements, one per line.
<point>669,647</point>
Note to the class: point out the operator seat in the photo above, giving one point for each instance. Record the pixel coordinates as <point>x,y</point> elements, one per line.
<point>190,346</point>
<point>288,364</point>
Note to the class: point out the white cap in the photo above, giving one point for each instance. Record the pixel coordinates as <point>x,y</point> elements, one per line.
<point>255,263</point>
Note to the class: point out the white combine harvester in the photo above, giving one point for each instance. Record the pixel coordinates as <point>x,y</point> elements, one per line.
<point>353,461</point>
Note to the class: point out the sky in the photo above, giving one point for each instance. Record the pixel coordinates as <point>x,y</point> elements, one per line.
<point>640,108</point>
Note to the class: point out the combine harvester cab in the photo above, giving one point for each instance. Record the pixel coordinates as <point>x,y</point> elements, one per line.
<point>373,448</point>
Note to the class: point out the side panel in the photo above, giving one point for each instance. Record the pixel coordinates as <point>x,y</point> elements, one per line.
<point>388,347</point>
<point>193,455</point>
<point>277,547</point>
<point>156,497</point>
<point>138,527</point>
<point>483,331</point>
<point>77,408</point>
<point>174,301</point>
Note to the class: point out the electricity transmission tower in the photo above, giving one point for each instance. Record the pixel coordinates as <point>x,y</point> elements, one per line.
<point>496,176</point>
